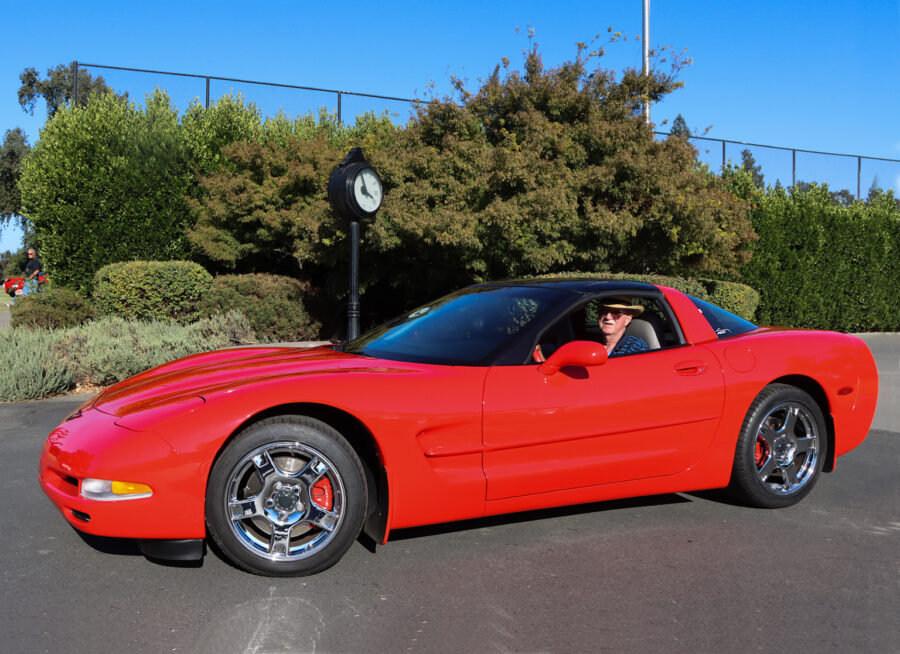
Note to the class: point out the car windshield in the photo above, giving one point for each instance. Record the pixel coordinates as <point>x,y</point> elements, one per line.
<point>468,327</point>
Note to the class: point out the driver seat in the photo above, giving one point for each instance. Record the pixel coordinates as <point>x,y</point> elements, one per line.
<point>643,329</point>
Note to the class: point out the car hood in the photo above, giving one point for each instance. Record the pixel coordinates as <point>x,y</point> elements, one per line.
<point>201,374</point>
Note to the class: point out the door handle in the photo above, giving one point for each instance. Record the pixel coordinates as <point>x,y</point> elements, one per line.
<point>693,367</point>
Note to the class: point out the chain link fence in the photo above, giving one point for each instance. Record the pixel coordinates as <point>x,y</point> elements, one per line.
<point>852,173</point>
<point>270,98</point>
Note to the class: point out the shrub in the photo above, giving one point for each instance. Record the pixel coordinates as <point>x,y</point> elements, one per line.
<point>53,308</point>
<point>536,171</point>
<point>685,285</point>
<point>151,290</point>
<point>31,369</point>
<point>107,182</point>
<point>822,265</point>
<point>739,299</point>
<point>274,305</point>
<point>111,349</point>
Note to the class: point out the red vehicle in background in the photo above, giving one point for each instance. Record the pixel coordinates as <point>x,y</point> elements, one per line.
<point>13,284</point>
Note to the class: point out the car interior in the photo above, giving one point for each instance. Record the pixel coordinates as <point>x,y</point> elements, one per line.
<point>653,326</point>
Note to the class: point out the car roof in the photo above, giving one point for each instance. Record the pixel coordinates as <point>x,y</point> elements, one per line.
<point>585,285</point>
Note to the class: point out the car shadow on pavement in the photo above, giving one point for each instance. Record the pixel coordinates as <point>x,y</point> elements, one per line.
<point>129,547</point>
<point>540,514</point>
<point>717,495</point>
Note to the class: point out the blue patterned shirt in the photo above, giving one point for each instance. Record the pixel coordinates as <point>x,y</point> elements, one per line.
<point>629,344</point>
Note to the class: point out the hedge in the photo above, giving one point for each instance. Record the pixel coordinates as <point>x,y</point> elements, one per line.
<point>822,265</point>
<point>151,290</point>
<point>51,308</point>
<point>274,305</point>
<point>737,298</point>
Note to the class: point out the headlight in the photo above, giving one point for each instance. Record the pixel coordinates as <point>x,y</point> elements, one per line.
<point>106,490</point>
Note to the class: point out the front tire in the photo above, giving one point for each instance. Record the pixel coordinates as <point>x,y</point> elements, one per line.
<point>781,448</point>
<point>287,497</point>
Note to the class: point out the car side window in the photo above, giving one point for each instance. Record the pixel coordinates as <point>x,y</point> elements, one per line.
<point>653,326</point>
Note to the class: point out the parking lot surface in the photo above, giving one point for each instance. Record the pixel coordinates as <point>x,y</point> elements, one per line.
<point>675,573</point>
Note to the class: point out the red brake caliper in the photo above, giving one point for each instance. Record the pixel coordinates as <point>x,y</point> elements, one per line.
<point>762,451</point>
<point>322,494</point>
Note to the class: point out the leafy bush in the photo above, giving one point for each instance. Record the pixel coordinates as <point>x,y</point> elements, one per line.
<point>112,349</point>
<point>685,285</point>
<point>107,182</point>
<point>31,368</point>
<point>274,305</point>
<point>739,299</point>
<point>38,363</point>
<point>151,290</point>
<point>822,265</point>
<point>52,308</point>
<point>536,171</point>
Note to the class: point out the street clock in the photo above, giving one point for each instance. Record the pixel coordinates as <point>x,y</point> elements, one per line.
<point>354,188</point>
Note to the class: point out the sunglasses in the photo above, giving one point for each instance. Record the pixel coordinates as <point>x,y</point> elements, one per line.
<point>615,313</point>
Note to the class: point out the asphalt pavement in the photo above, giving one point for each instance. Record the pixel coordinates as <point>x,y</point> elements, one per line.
<point>675,573</point>
<point>687,572</point>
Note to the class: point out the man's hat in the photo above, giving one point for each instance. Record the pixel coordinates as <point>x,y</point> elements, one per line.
<point>623,304</point>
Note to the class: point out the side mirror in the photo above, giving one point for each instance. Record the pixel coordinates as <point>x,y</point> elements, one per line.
<point>574,353</point>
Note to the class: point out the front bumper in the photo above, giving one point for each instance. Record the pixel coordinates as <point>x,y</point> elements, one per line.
<point>91,445</point>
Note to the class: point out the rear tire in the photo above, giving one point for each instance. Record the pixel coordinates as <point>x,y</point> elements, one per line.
<point>287,497</point>
<point>780,450</point>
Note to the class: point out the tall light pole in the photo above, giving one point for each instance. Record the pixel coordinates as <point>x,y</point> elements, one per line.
<point>646,57</point>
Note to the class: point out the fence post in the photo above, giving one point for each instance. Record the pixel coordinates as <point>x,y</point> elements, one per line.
<point>207,92</point>
<point>75,83</point>
<point>793,168</point>
<point>340,120</point>
<point>723,155</point>
<point>858,176</point>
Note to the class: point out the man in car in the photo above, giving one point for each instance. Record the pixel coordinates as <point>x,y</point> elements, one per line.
<point>615,314</point>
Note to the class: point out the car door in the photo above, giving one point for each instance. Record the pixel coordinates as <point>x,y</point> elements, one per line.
<point>633,417</point>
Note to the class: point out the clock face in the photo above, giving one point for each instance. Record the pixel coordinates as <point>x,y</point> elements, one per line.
<point>367,190</point>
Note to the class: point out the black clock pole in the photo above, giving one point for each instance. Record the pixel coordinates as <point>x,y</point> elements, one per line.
<point>353,304</point>
<point>355,193</point>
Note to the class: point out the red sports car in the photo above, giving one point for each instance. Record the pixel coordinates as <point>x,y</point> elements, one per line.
<point>13,284</point>
<point>497,398</point>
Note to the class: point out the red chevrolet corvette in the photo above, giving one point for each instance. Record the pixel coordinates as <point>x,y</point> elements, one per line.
<point>13,284</point>
<point>493,399</point>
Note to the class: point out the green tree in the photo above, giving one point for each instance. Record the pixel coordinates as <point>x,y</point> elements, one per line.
<point>265,207</point>
<point>680,128</point>
<point>843,197</point>
<point>547,170</point>
<point>107,182</point>
<point>57,89</point>
<point>208,129</point>
<point>12,153</point>
<point>538,171</point>
<point>748,163</point>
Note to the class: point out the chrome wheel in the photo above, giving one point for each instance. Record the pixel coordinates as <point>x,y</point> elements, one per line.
<point>787,448</point>
<point>287,496</point>
<point>285,501</point>
<point>781,448</point>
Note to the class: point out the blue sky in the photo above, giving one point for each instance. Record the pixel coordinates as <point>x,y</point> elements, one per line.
<point>810,75</point>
